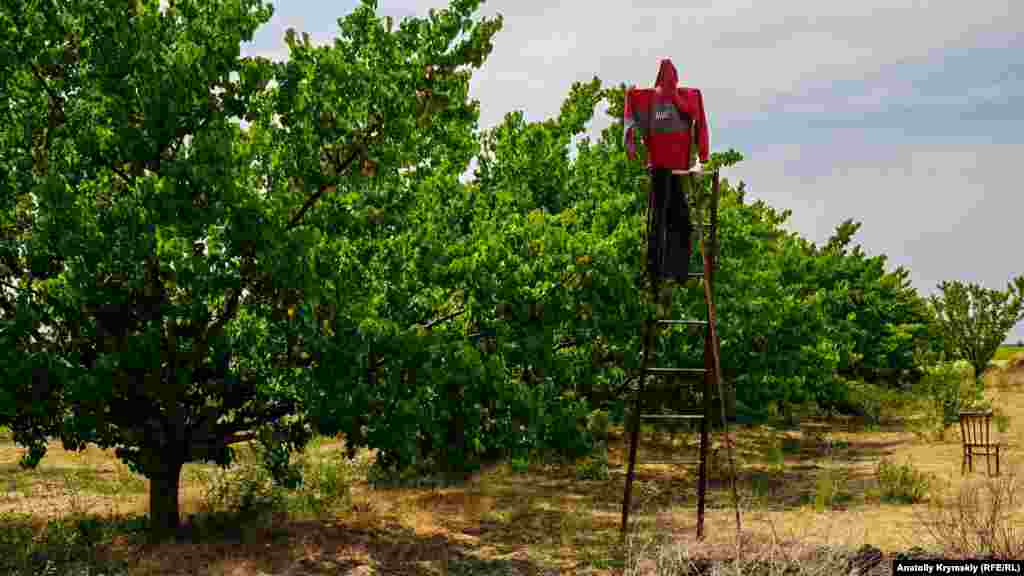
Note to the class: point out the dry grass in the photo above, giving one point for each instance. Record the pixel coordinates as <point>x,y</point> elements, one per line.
<point>983,518</point>
<point>801,489</point>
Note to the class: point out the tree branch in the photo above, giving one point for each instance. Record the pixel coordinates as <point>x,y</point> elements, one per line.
<point>565,344</point>
<point>46,86</point>
<point>356,149</point>
<point>239,437</point>
<point>230,309</point>
<point>316,196</point>
<point>455,314</point>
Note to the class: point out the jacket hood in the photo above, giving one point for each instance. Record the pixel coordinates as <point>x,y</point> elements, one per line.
<point>668,78</point>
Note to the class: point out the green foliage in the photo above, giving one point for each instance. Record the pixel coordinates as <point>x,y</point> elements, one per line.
<point>172,278</point>
<point>947,389</point>
<point>598,424</point>
<point>875,403</point>
<point>520,465</point>
<point>1001,419</point>
<point>325,486</point>
<point>68,545</point>
<point>775,457</point>
<point>826,490</point>
<point>245,492</point>
<point>975,320</point>
<point>902,483</point>
<point>593,467</point>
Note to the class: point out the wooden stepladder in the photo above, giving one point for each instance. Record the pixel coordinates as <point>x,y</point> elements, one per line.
<point>711,372</point>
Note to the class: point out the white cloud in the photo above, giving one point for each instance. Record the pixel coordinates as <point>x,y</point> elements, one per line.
<point>946,211</point>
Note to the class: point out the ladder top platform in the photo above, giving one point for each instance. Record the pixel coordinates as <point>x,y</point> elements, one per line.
<point>695,172</point>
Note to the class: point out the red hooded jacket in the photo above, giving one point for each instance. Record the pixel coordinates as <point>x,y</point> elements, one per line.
<point>668,117</point>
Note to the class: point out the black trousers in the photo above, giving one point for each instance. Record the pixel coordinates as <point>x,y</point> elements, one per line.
<point>668,226</point>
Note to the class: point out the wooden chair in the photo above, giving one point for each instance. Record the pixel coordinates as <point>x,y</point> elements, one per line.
<point>975,430</point>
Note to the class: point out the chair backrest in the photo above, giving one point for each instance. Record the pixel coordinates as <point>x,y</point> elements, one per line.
<point>974,427</point>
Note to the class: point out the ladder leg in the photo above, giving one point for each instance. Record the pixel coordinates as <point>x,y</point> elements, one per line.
<point>635,431</point>
<point>634,437</point>
<point>702,471</point>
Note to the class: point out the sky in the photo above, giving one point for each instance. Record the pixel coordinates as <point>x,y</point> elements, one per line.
<point>907,116</point>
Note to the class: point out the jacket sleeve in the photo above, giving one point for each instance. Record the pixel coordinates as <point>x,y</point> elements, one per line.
<point>701,126</point>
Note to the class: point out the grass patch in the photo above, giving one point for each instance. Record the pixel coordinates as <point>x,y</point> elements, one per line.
<point>72,545</point>
<point>902,483</point>
<point>768,557</point>
<point>1007,352</point>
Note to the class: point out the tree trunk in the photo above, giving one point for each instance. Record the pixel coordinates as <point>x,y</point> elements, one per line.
<point>163,498</point>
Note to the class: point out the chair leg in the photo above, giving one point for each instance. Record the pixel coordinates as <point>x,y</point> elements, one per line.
<point>963,463</point>
<point>997,460</point>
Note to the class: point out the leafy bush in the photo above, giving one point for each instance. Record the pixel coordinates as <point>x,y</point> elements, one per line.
<point>520,465</point>
<point>775,457</point>
<point>947,389</point>
<point>594,467</point>
<point>598,425</point>
<point>245,491</point>
<point>1001,420</point>
<point>902,483</point>
<point>826,489</point>
<point>325,486</point>
<point>873,402</point>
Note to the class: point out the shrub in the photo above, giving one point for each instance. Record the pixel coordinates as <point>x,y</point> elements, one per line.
<point>872,402</point>
<point>593,467</point>
<point>774,456</point>
<point>598,424</point>
<point>824,491</point>
<point>947,389</point>
<point>902,483</point>
<point>325,487</point>
<point>829,490</point>
<point>1001,420</point>
<point>979,521</point>
<point>520,465</point>
<point>245,491</point>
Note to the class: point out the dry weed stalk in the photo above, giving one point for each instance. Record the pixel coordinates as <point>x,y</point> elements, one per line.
<point>979,521</point>
<point>769,556</point>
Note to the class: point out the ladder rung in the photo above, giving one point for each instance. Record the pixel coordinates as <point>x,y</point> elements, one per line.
<point>688,461</point>
<point>695,275</point>
<point>675,371</point>
<point>684,322</point>
<point>671,416</point>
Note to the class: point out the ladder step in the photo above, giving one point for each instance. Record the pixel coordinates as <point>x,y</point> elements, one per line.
<point>697,275</point>
<point>675,371</point>
<point>684,322</point>
<point>671,416</point>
